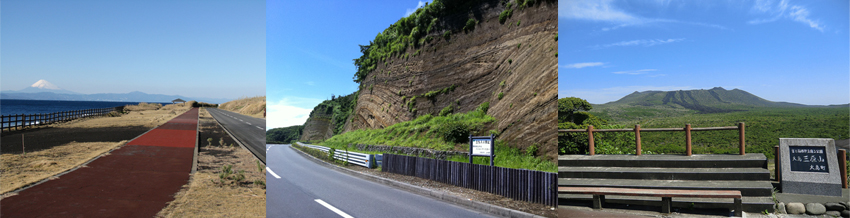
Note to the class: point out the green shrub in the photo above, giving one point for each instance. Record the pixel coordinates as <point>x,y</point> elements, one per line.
<point>531,150</point>
<point>447,35</point>
<point>556,37</point>
<point>505,14</point>
<point>454,131</point>
<point>510,61</point>
<point>331,154</point>
<point>502,84</point>
<point>259,166</point>
<point>470,24</point>
<point>446,111</point>
<point>517,22</point>
<point>501,95</point>
<point>484,107</point>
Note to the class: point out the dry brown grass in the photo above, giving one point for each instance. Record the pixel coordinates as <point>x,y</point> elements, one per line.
<point>254,106</point>
<point>206,195</point>
<point>143,107</point>
<point>148,117</point>
<point>21,170</point>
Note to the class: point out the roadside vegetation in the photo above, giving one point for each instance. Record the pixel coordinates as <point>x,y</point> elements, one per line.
<point>251,106</point>
<point>447,132</point>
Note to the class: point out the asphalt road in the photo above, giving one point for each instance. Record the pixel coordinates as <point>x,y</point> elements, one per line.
<point>251,131</point>
<point>298,187</point>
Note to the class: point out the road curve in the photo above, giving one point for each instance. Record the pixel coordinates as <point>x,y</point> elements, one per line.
<point>251,131</point>
<point>298,187</point>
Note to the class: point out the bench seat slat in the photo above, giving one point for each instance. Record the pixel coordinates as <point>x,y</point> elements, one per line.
<point>650,192</point>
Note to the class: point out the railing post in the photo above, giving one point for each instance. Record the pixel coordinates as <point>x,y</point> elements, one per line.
<point>688,140</point>
<point>776,163</point>
<point>590,139</point>
<point>637,138</point>
<point>741,137</point>
<point>842,162</point>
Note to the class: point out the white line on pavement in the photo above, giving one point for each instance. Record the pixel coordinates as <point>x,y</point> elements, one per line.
<point>332,208</point>
<point>272,172</point>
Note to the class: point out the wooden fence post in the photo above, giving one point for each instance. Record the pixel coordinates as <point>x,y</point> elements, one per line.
<point>741,137</point>
<point>590,139</point>
<point>688,140</point>
<point>637,138</point>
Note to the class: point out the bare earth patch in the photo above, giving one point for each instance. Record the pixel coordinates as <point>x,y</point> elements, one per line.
<point>207,195</point>
<point>20,170</point>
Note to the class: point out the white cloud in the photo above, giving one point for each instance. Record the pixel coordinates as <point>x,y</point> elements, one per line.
<point>410,11</point>
<point>635,72</point>
<point>781,9</point>
<point>583,65</point>
<point>605,95</point>
<point>605,11</point>
<point>289,111</point>
<point>596,11</point>
<point>643,42</point>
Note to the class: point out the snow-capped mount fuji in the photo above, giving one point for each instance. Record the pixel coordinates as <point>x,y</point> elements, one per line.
<point>44,86</point>
<point>44,90</point>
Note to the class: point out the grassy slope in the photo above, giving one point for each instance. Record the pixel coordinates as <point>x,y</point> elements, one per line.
<point>254,106</point>
<point>428,132</point>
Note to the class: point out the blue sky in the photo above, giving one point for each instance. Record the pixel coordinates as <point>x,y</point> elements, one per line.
<point>780,50</point>
<point>311,46</point>
<point>210,49</point>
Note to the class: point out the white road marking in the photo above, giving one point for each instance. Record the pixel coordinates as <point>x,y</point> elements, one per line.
<point>332,208</point>
<point>272,172</point>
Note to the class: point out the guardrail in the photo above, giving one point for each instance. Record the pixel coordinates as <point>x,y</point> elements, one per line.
<point>360,159</point>
<point>520,184</point>
<point>637,130</point>
<point>22,121</point>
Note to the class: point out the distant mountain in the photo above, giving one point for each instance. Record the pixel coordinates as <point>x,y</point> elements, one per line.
<point>43,90</point>
<point>715,100</point>
<point>42,86</point>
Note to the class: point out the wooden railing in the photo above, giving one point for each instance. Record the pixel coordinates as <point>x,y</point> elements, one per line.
<point>23,121</point>
<point>637,131</point>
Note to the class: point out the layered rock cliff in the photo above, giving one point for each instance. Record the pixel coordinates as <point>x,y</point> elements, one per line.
<point>511,64</point>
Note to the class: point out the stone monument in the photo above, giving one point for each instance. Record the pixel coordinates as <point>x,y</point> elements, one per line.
<point>809,166</point>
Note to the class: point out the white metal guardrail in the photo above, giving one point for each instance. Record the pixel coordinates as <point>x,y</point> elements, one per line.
<point>360,159</point>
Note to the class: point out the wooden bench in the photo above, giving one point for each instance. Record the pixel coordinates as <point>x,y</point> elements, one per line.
<point>665,194</point>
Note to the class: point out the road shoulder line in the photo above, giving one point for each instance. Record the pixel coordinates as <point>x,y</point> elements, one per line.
<point>435,194</point>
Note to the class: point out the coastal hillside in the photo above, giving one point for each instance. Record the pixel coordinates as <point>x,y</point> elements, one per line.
<point>254,106</point>
<point>457,55</point>
<point>328,118</point>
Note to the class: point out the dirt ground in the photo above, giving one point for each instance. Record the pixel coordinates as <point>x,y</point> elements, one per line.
<point>207,195</point>
<point>475,195</point>
<point>56,148</point>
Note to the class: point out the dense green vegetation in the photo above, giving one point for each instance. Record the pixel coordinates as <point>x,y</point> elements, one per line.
<point>446,132</point>
<point>284,135</point>
<point>765,121</point>
<point>420,27</point>
<point>426,131</point>
<point>340,107</point>
<point>409,32</point>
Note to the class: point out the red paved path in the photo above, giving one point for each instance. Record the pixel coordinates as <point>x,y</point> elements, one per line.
<point>136,180</point>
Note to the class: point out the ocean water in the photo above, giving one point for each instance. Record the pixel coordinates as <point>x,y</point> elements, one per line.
<point>14,106</point>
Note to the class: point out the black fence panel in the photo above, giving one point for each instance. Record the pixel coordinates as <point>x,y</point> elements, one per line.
<point>23,121</point>
<point>519,184</point>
